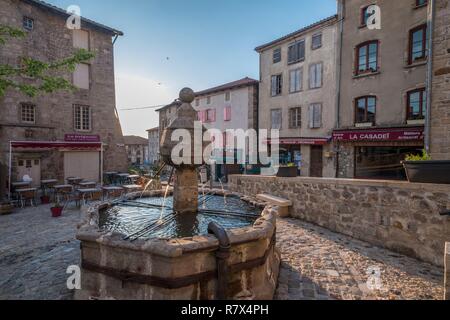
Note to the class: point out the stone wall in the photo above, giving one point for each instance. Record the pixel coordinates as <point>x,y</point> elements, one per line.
<point>440,107</point>
<point>447,271</point>
<point>400,216</point>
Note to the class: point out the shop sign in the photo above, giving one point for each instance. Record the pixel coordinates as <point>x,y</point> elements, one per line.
<point>73,137</point>
<point>413,134</point>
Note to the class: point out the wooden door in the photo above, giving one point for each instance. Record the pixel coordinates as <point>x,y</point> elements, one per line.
<point>316,168</point>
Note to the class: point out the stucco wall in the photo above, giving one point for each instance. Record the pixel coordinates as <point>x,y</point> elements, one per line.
<point>400,216</point>
<point>395,77</point>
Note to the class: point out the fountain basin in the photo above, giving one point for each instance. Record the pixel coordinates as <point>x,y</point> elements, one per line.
<point>176,269</point>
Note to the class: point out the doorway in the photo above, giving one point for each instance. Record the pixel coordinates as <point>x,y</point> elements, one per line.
<point>31,168</point>
<point>316,167</point>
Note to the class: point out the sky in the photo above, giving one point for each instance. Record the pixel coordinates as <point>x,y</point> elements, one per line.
<point>171,44</point>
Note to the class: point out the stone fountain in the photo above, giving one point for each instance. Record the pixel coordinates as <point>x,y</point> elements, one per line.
<point>158,261</point>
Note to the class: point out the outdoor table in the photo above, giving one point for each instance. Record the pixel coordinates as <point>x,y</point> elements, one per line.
<point>110,177</point>
<point>122,177</point>
<point>21,184</point>
<point>88,192</point>
<point>87,185</point>
<point>26,194</point>
<point>133,178</point>
<point>132,187</point>
<point>74,180</point>
<point>63,189</point>
<point>112,192</point>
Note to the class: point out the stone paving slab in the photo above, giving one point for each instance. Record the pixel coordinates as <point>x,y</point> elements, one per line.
<point>318,264</point>
<point>35,251</point>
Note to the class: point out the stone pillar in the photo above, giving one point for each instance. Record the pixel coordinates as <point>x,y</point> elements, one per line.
<point>447,271</point>
<point>185,192</point>
<point>440,104</point>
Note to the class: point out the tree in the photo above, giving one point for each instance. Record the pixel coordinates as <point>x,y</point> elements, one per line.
<point>42,77</point>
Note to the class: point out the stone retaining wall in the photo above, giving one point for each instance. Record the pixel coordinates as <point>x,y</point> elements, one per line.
<point>400,216</point>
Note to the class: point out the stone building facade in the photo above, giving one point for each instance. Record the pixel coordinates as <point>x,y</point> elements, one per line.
<point>440,101</point>
<point>382,85</point>
<point>297,95</point>
<point>137,150</point>
<point>153,146</point>
<point>86,114</point>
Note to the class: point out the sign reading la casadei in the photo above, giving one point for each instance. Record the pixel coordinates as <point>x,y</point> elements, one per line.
<point>403,134</point>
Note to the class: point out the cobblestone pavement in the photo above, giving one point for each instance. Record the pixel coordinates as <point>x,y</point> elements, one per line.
<point>35,251</point>
<point>320,264</point>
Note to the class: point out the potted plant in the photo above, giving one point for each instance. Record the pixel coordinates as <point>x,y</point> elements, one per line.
<point>288,171</point>
<point>422,169</point>
<point>6,207</point>
<point>56,209</point>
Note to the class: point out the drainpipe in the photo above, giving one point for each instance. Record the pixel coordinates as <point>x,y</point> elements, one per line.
<point>429,89</point>
<point>341,6</point>
<point>222,256</point>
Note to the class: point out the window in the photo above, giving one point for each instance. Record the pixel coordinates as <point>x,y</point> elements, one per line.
<point>315,116</point>
<point>82,118</point>
<point>277,55</point>
<point>208,100</point>
<point>367,57</point>
<point>81,77</point>
<point>316,41</point>
<point>210,115</point>
<point>421,3</point>
<point>197,102</point>
<point>81,39</point>
<point>417,104</point>
<point>366,109</point>
<point>418,44</point>
<point>365,14</point>
<point>315,76</point>
<point>277,85</point>
<point>276,119</point>
<point>296,52</point>
<point>227,96</point>
<point>28,113</point>
<point>295,80</point>
<point>295,118</point>
<point>227,114</point>
<point>28,23</point>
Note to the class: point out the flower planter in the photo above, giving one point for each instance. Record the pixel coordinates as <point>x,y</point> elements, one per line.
<point>45,200</point>
<point>56,212</point>
<point>6,208</point>
<point>428,171</point>
<point>287,172</point>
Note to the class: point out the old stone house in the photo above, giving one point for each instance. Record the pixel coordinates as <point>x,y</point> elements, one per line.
<point>153,146</point>
<point>297,95</point>
<point>137,150</point>
<point>60,134</point>
<point>382,85</point>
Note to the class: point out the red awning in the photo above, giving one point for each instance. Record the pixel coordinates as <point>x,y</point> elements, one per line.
<point>300,141</point>
<point>379,135</point>
<point>55,145</point>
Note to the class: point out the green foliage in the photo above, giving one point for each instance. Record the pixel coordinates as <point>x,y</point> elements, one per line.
<point>421,157</point>
<point>39,77</point>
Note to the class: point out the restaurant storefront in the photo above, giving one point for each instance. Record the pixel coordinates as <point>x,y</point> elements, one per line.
<point>305,153</point>
<point>376,153</point>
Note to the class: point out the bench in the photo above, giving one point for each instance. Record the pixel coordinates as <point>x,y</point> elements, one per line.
<point>282,204</point>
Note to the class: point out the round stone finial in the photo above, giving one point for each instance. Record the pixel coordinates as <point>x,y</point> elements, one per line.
<point>187,95</point>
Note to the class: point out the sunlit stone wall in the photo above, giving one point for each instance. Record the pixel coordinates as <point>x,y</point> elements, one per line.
<point>400,216</point>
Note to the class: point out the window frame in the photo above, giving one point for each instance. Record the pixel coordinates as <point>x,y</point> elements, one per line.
<point>366,109</point>
<point>366,45</point>
<point>313,107</point>
<point>300,80</point>
<point>425,49</point>
<point>299,59</point>
<point>320,34</point>
<point>25,19</point>
<point>228,96</point>
<point>22,106</point>
<point>279,86</point>
<point>422,100</point>
<point>298,118</point>
<point>82,107</point>
<point>321,75</point>
<point>280,110</point>
<point>279,54</point>
<point>418,5</point>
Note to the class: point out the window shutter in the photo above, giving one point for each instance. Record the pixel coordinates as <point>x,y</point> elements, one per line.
<point>292,81</point>
<point>317,116</point>
<point>312,76</point>
<point>213,116</point>
<point>274,85</point>
<point>301,50</point>
<point>318,75</point>
<point>311,116</point>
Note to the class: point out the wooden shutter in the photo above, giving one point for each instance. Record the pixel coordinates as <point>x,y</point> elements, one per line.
<point>318,75</point>
<point>312,76</point>
<point>274,85</point>
<point>311,116</point>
